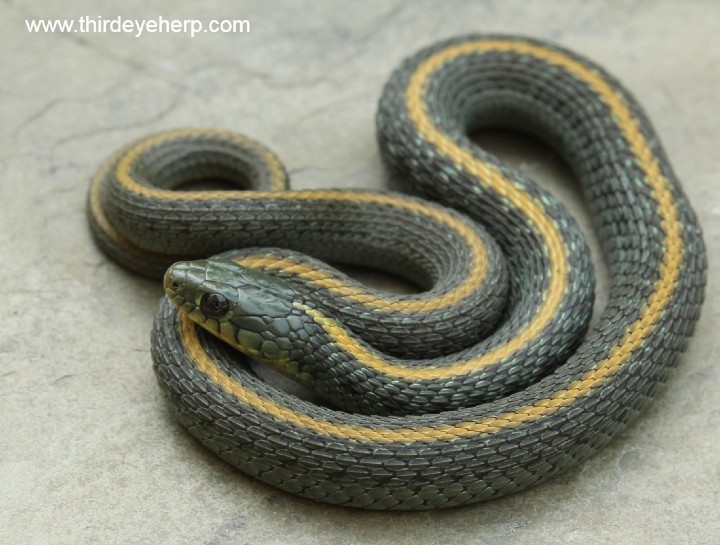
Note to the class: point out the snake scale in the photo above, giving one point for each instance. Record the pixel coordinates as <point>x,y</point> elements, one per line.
<point>487,381</point>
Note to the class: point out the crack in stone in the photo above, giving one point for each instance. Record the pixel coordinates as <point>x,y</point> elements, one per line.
<point>173,105</point>
<point>103,53</point>
<point>268,79</point>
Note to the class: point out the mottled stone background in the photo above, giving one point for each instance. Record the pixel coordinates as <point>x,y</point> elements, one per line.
<point>88,451</point>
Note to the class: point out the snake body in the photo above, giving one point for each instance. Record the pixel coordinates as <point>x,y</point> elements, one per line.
<point>432,402</point>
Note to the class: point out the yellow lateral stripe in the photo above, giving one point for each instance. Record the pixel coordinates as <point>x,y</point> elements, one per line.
<point>488,176</point>
<point>477,267</point>
<point>338,288</point>
<point>485,175</point>
<point>102,222</point>
<point>122,170</point>
<point>98,214</point>
<point>95,206</point>
<point>631,341</point>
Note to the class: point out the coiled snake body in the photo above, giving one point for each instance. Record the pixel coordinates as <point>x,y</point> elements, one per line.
<point>482,384</point>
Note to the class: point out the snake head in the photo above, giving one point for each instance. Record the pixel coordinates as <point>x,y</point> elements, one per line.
<point>249,310</point>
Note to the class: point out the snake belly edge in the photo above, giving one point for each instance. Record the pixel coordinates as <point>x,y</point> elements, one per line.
<point>449,406</point>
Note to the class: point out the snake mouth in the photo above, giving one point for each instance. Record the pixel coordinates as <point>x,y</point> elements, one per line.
<point>176,286</point>
<point>181,283</point>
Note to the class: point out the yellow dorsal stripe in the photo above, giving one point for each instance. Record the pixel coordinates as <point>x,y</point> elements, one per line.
<point>631,341</point>
<point>477,262</point>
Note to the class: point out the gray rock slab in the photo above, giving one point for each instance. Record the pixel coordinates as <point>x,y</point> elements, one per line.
<point>89,452</point>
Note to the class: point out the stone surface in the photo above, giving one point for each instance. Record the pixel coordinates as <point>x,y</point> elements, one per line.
<point>88,451</point>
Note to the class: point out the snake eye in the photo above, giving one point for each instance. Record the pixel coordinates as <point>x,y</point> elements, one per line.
<point>214,305</point>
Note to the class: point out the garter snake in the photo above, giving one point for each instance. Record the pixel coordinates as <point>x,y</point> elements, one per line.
<point>430,402</point>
